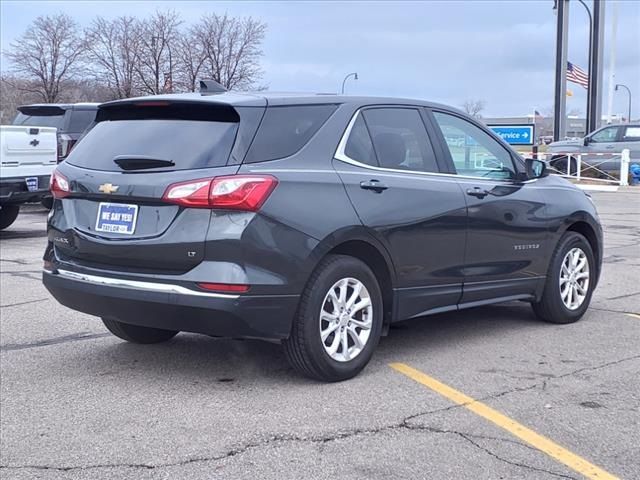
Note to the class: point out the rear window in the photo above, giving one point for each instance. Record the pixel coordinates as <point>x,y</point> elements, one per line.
<point>80,120</point>
<point>190,136</point>
<point>40,117</point>
<point>285,130</point>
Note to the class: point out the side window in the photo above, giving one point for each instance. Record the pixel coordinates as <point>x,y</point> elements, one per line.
<point>608,134</point>
<point>285,130</point>
<point>80,120</point>
<point>359,146</point>
<point>631,134</point>
<point>475,153</point>
<point>400,139</point>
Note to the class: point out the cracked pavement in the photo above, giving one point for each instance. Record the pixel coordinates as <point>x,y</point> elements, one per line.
<point>77,403</point>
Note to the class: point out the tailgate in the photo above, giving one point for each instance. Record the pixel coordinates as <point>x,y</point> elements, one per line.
<point>28,146</point>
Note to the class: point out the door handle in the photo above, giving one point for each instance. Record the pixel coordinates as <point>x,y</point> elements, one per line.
<point>477,192</point>
<point>374,185</point>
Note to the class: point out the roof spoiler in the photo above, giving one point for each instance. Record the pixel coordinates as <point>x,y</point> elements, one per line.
<point>209,87</point>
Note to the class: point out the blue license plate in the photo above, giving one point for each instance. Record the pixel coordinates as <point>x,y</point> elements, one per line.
<point>116,218</point>
<point>32,183</point>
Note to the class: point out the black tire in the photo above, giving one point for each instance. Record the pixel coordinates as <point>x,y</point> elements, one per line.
<point>304,347</point>
<point>8,215</point>
<point>551,308</point>
<point>560,162</point>
<point>47,202</point>
<point>138,334</point>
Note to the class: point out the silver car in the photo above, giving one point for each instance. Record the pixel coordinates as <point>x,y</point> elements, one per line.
<point>611,139</point>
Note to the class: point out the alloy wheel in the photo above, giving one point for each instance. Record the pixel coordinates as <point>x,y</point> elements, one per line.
<point>574,278</point>
<point>346,319</point>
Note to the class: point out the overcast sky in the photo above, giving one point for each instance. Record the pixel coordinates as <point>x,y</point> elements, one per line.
<point>445,51</point>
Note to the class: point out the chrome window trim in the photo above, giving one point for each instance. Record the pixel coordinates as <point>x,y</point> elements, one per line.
<point>138,285</point>
<point>343,157</point>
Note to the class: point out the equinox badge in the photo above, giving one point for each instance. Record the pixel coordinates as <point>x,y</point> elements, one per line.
<point>108,188</point>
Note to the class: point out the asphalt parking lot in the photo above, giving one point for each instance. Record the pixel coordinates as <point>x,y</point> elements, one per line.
<point>79,403</point>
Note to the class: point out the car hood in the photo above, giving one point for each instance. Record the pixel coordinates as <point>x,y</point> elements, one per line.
<point>566,143</point>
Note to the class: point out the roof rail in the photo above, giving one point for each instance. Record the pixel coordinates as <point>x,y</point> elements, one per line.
<point>208,87</point>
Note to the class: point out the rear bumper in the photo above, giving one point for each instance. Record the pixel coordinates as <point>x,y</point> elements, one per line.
<point>174,307</point>
<point>14,190</point>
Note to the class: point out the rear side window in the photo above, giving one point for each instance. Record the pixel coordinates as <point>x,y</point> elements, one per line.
<point>159,133</point>
<point>359,146</point>
<point>80,120</point>
<point>400,139</point>
<point>285,130</point>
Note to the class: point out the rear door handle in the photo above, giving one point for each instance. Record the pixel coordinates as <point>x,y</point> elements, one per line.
<point>374,185</point>
<point>477,192</point>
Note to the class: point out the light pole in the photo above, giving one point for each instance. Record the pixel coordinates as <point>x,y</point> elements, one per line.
<point>589,67</point>
<point>355,77</point>
<point>629,92</point>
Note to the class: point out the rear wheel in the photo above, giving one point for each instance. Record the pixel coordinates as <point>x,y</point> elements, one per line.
<point>570,281</point>
<point>138,334</point>
<point>8,215</point>
<point>339,321</point>
<point>47,202</point>
<point>561,163</point>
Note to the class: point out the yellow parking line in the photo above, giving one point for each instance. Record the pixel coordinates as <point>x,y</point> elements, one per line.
<point>634,315</point>
<point>543,444</point>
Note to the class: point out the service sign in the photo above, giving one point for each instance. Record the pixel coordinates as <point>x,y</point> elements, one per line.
<point>515,134</point>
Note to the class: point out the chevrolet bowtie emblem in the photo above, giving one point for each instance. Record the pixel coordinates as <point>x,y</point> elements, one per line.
<point>108,188</point>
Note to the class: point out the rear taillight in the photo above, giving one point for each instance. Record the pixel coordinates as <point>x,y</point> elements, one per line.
<point>59,185</point>
<point>235,192</point>
<point>65,144</point>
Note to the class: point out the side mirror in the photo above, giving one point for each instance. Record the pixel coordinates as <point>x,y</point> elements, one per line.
<point>585,141</point>
<point>536,168</point>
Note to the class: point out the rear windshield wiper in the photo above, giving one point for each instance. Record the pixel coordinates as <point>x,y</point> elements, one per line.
<point>141,162</point>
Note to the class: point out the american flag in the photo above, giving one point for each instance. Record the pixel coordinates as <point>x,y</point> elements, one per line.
<point>576,75</point>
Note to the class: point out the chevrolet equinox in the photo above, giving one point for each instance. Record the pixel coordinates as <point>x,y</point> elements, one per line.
<point>312,220</point>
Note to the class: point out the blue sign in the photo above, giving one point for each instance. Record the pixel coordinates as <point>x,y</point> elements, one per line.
<point>515,134</point>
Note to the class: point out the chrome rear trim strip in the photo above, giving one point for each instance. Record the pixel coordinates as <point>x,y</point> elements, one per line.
<point>137,285</point>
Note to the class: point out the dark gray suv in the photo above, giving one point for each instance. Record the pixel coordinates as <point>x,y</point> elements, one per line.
<point>314,220</point>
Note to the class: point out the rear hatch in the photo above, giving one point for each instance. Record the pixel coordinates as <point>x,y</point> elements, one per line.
<point>114,216</point>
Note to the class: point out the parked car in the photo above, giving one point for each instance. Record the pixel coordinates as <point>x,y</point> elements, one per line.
<point>313,220</point>
<point>27,159</point>
<point>606,140</point>
<point>70,119</point>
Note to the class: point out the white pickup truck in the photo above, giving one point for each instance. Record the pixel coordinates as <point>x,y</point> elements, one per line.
<point>28,155</point>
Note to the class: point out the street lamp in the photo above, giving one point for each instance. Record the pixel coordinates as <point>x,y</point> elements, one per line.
<point>629,92</point>
<point>590,68</point>
<point>355,77</point>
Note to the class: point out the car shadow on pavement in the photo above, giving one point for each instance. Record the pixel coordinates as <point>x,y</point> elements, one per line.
<point>21,234</point>
<point>198,358</point>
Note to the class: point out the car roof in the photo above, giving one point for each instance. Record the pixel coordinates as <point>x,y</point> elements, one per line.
<point>260,99</point>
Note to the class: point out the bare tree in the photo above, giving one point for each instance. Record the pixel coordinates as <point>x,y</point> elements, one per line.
<point>155,68</point>
<point>114,49</point>
<point>48,53</point>
<point>474,107</point>
<point>232,49</point>
<point>191,56</point>
<point>13,93</point>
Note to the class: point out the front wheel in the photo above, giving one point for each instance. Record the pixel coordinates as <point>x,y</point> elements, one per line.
<point>339,321</point>
<point>8,215</point>
<point>570,281</point>
<point>136,333</point>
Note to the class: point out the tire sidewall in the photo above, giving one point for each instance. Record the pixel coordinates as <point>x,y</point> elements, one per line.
<point>569,241</point>
<point>345,267</point>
